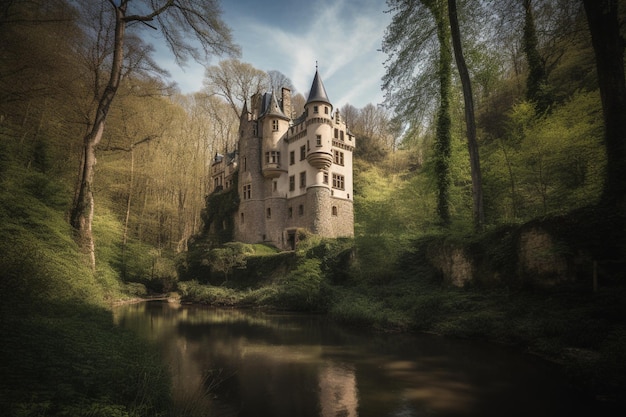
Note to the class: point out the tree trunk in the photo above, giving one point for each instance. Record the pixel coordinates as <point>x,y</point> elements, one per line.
<point>470,121</point>
<point>81,217</point>
<point>536,82</point>
<point>608,46</point>
<point>444,123</point>
<point>128,205</point>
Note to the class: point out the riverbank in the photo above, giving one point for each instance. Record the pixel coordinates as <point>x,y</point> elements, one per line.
<point>583,333</point>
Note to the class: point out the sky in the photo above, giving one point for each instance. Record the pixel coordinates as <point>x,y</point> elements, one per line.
<point>343,36</point>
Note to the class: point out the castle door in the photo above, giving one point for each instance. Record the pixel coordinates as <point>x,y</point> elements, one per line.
<point>291,239</point>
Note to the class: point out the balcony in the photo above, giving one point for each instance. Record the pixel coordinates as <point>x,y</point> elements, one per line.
<point>272,170</point>
<point>320,159</point>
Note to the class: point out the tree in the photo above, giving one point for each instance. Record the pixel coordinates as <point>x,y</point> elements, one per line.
<point>470,120</point>
<point>235,82</point>
<point>444,122</point>
<point>418,44</point>
<point>537,79</point>
<point>278,80</point>
<point>226,258</point>
<point>608,46</point>
<point>176,19</point>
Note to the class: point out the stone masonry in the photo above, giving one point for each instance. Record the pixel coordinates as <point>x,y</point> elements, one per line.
<point>293,174</point>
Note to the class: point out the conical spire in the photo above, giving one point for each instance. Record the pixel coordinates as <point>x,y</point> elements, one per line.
<point>317,92</point>
<point>244,111</point>
<point>272,107</point>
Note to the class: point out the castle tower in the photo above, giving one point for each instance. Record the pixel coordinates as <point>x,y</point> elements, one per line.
<point>318,111</point>
<point>250,222</point>
<point>274,125</point>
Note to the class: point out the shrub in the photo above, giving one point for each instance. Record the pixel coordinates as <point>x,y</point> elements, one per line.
<point>302,288</point>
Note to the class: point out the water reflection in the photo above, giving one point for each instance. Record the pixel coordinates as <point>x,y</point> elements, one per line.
<point>243,363</point>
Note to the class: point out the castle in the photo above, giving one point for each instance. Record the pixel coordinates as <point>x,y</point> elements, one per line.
<point>291,173</point>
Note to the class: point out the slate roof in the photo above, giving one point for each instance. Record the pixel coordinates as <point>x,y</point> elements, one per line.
<point>270,106</point>
<point>317,92</point>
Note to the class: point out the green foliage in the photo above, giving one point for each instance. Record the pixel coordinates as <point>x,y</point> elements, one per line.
<point>60,353</point>
<point>281,280</point>
<point>40,260</point>
<point>193,291</point>
<point>142,263</point>
<point>76,362</point>
<point>548,164</point>
<point>536,81</point>
<point>225,259</point>
<point>370,150</point>
<point>356,310</point>
<point>218,214</point>
<point>303,288</point>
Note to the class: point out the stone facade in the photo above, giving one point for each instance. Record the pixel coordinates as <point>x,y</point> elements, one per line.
<point>292,173</point>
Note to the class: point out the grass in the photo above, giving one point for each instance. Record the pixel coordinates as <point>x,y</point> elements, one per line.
<point>60,352</point>
<point>74,361</point>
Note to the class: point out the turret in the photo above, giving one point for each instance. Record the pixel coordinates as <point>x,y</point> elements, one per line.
<point>318,111</point>
<point>275,124</point>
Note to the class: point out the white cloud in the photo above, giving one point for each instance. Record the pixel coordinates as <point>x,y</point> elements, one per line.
<point>343,36</point>
<point>345,47</point>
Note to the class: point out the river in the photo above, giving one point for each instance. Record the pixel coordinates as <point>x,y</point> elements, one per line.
<point>248,363</point>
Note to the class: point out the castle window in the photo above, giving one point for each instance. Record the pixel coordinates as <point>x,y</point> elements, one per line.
<point>292,158</point>
<point>325,110</point>
<point>334,210</point>
<point>303,179</point>
<point>301,210</point>
<point>325,177</point>
<point>302,152</point>
<point>338,157</point>
<point>341,135</point>
<point>338,181</point>
<point>272,157</point>
<point>247,191</point>
<point>336,133</point>
<point>275,125</point>
<point>269,213</point>
<point>316,109</point>
<point>292,183</point>
<point>275,185</point>
<point>318,140</point>
<point>242,219</point>
<point>245,164</point>
<point>255,129</point>
<point>290,212</point>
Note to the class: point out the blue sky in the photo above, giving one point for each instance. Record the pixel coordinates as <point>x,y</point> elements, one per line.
<point>343,36</point>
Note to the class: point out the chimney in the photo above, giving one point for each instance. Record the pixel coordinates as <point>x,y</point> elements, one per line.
<point>255,105</point>
<point>285,100</point>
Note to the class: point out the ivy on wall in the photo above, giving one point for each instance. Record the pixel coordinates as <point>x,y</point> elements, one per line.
<point>218,216</point>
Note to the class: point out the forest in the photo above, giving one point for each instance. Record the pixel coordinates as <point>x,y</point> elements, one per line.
<point>496,115</point>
